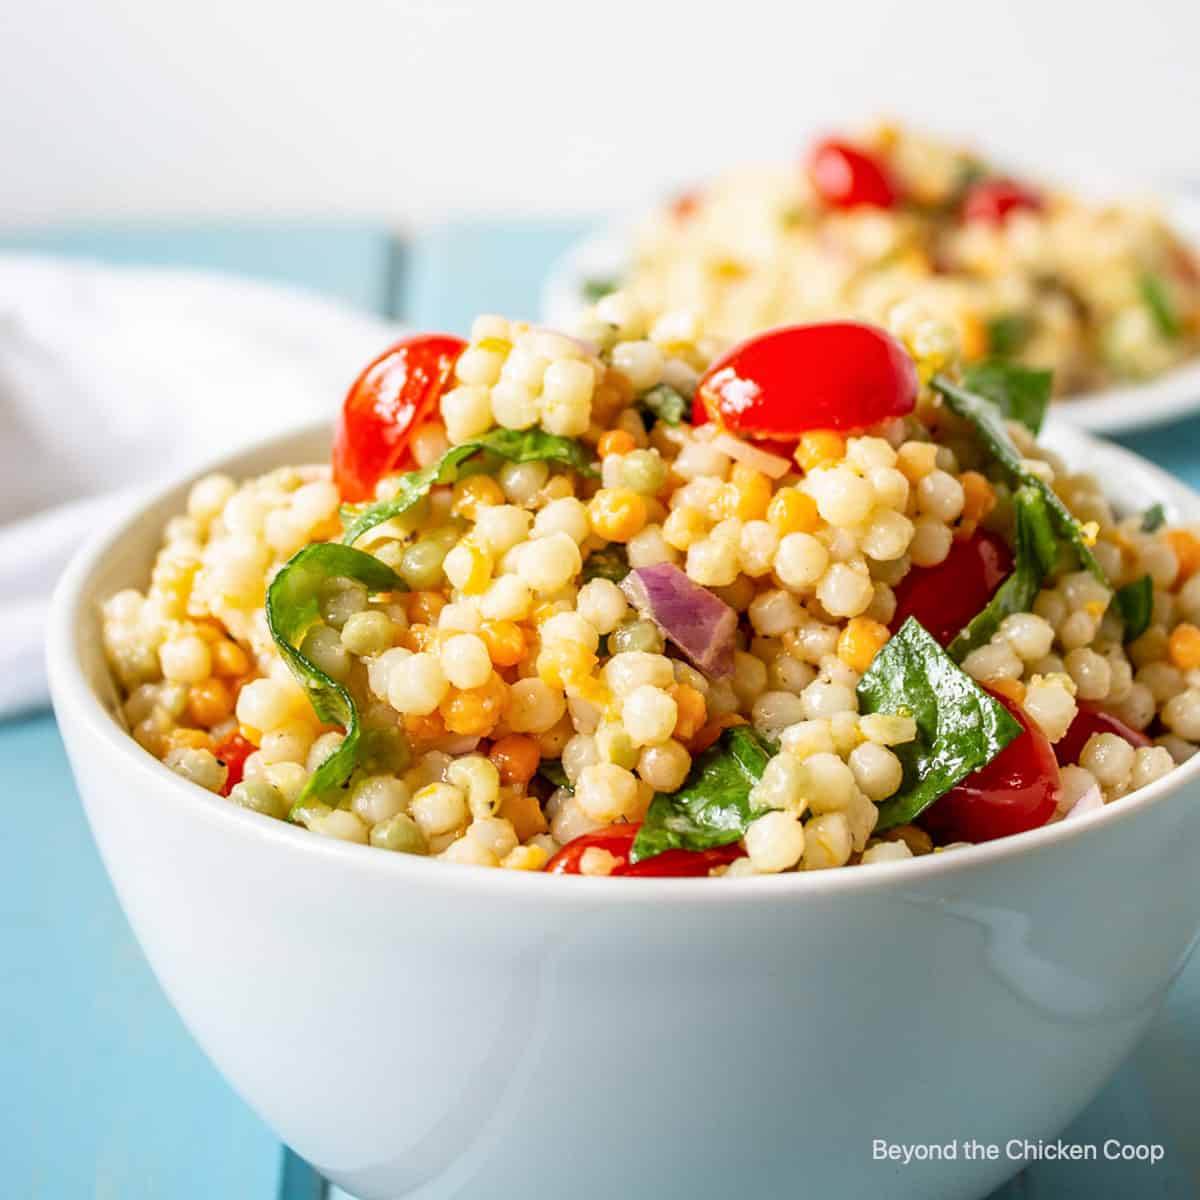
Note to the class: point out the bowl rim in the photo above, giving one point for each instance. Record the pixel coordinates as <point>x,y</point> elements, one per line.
<point>76,701</point>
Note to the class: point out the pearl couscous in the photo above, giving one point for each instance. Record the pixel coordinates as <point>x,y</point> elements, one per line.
<point>586,614</point>
<point>1097,293</point>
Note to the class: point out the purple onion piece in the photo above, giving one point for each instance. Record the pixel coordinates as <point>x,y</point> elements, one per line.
<point>695,620</point>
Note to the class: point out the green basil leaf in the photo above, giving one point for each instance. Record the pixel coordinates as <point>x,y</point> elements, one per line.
<point>609,562</point>
<point>1135,603</point>
<point>1157,299</point>
<point>1036,557</point>
<point>1020,393</point>
<point>667,404</point>
<point>988,421</point>
<point>513,445</point>
<point>960,727</point>
<point>1154,518</point>
<point>551,769</point>
<point>1007,333</point>
<point>293,608</point>
<point>713,806</point>
<point>597,289</point>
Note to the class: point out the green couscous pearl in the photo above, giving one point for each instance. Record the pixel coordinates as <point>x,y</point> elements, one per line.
<point>260,797</point>
<point>340,599</point>
<point>644,471</point>
<point>367,633</point>
<point>399,833</point>
<point>421,566</point>
<point>636,635</point>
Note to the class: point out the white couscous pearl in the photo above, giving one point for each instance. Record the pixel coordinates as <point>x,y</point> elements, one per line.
<point>843,496</point>
<point>568,515</point>
<point>845,591</point>
<point>665,766</point>
<point>827,842</point>
<point>263,704</point>
<point>649,715</point>
<point>379,797</point>
<point>606,792</point>
<point>1029,635</point>
<point>549,563</point>
<point>534,706</point>
<point>801,560</point>
<point>930,543</point>
<point>465,661</point>
<point>439,808</point>
<point>499,527</point>
<point>467,412</point>
<point>877,771</point>
<point>602,604</point>
<point>417,684</point>
<point>1109,758</point>
<point>1051,707</point>
<point>185,660</point>
<point>775,842</point>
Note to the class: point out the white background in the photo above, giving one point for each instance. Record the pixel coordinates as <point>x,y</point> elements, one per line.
<point>121,109</point>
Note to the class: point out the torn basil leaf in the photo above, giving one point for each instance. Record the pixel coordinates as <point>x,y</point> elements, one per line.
<point>1157,298</point>
<point>596,288</point>
<point>667,404</point>
<point>551,770</point>
<point>1036,557</point>
<point>1135,603</point>
<point>610,562</point>
<point>1020,393</point>
<point>1007,334</point>
<point>713,806</point>
<point>482,454</point>
<point>960,727</point>
<point>293,608</point>
<point>1153,519</point>
<point>988,421</point>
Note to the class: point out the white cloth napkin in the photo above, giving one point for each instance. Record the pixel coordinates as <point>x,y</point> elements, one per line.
<point>112,379</point>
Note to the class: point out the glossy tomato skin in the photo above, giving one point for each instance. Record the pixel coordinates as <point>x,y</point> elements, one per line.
<point>834,375</point>
<point>618,841</point>
<point>990,201</point>
<point>1089,720</point>
<point>233,752</point>
<point>844,176</point>
<point>1018,790</point>
<point>394,395</point>
<point>945,598</point>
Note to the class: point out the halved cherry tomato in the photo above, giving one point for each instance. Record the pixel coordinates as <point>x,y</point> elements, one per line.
<point>618,841</point>
<point>1089,720</point>
<point>844,176</point>
<point>233,752</point>
<point>395,394</point>
<point>991,200</point>
<point>945,598</point>
<point>834,375</point>
<point>1016,791</point>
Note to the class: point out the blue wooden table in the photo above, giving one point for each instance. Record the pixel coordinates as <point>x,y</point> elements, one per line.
<point>105,1095</point>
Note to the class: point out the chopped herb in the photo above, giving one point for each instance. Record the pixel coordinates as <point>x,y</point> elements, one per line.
<point>1157,298</point>
<point>597,289</point>
<point>1008,333</point>
<point>667,404</point>
<point>988,421</point>
<point>1135,603</point>
<point>551,769</point>
<point>293,608</point>
<point>713,806</point>
<point>960,728</point>
<point>1154,518</point>
<point>610,562</point>
<point>513,445</point>
<point>1020,393</point>
<point>1036,557</point>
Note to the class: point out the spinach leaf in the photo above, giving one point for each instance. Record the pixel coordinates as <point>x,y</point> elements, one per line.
<point>1020,393</point>
<point>293,608</point>
<point>551,769</point>
<point>960,728</point>
<point>667,404</point>
<point>713,806</point>
<point>1135,603</point>
<point>597,288</point>
<point>1036,557</point>
<point>1157,299</point>
<point>988,421</point>
<point>609,562</point>
<point>1154,518</point>
<point>1007,333</point>
<point>513,445</point>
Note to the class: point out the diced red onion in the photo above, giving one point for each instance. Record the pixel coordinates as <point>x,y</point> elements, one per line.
<point>774,466</point>
<point>1090,801</point>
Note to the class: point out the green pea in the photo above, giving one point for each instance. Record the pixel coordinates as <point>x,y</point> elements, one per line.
<point>259,796</point>
<point>400,833</point>
<point>644,471</point>
<point>636,635</point>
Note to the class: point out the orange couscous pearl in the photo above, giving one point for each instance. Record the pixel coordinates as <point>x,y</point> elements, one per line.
<point>1183,647</point>
<point>188,739</point>
<point>564,663</point>
<point>819,446</point>
<point>505,642</point>
<point>617,514</point>
<point>474,712</point>
<point>691,711</point>
<point>979,497</point>
<point>973,337</point>
<point>425,728</point>
<point>523,810</point>
<point>516,757</point>
<point>228,658</point>
<point>424,607</point>
<point>209,702</point>
<point>1010,689</point>
<point>860,641</point>
<point>747,494</point>
<point>471,494</point>
<point>1187,550</point>
<point>792,511</point>
<point>615,441</point>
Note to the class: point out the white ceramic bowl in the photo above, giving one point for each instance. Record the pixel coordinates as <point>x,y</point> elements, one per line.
<point>606,253</point>
<point>412,1027</point>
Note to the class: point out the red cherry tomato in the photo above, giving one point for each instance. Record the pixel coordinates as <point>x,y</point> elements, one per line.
<point>991,200</point>
<point>1016,791</point>
<point>396,392</point>
<point>233,752</point>
<point>836,375</point>
<point>618,841</point>
<point>945,598</point>
<point>1089,720</point>
<point>844,176</point>
<point>685,204</point>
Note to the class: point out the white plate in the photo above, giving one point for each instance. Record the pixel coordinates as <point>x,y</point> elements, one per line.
<point>605,254</point>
